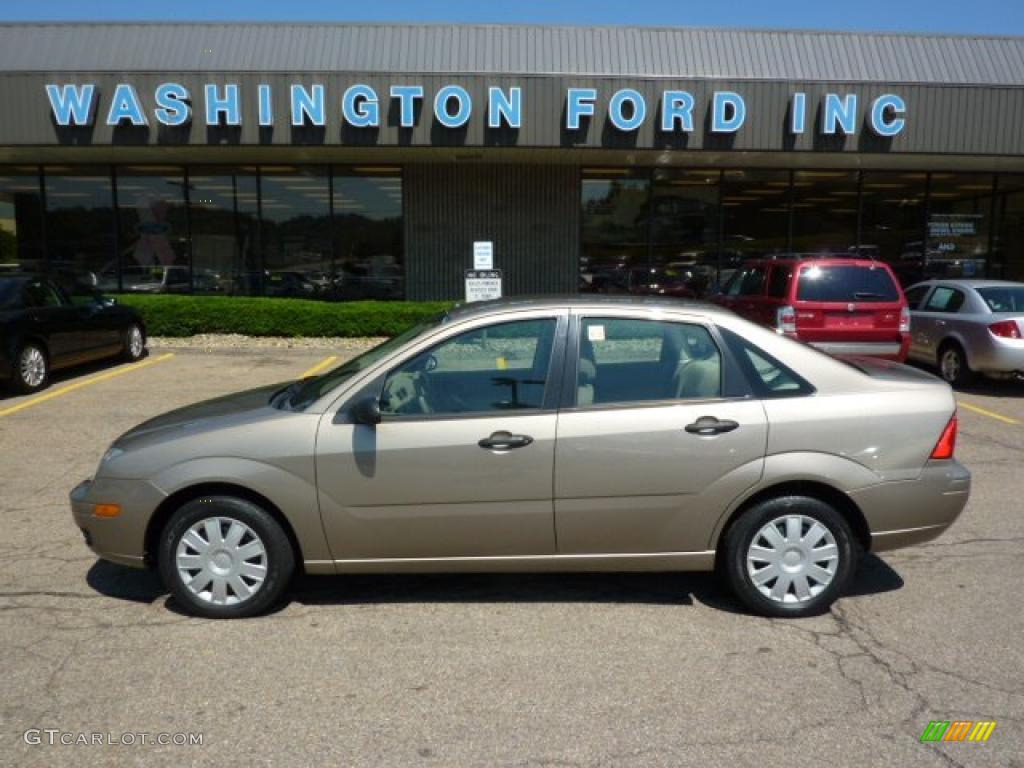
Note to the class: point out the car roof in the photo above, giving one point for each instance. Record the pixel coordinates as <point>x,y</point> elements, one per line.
<point>859,261</point>
<point>971,282</point>
<point>496,306</point>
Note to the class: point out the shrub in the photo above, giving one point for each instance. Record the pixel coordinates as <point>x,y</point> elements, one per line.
<point>166,315</point>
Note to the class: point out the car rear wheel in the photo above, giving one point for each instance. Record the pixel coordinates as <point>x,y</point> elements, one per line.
<point>790,556</point>
<point>223,557</point>
<point>953,365</point>
<point>31,368</point>
<point>134,343</point>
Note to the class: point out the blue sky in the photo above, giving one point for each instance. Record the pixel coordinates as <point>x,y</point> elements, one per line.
<point>962,16</point>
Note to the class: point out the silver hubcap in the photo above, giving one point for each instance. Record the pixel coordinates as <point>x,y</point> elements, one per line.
<point>950,365</point>
<point>33,367</point>
<point>792,559</point>
<point>135,341</point>
<point>221,561</point>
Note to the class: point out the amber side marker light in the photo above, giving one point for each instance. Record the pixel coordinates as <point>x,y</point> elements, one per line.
<point>944,448</point>
<point>106,510</point>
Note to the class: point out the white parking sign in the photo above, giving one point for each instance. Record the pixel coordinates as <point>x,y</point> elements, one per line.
<point>483,284</point>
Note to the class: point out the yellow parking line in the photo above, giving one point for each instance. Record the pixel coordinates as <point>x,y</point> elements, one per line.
<point>319,366</point>
<point>83,383</point>
<point>990,414</point>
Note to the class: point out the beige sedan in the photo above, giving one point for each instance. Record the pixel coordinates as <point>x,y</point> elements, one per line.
<point>573,434</point>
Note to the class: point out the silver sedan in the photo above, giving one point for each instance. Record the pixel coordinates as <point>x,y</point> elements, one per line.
<point>570,434</point>
<point>968,327</point>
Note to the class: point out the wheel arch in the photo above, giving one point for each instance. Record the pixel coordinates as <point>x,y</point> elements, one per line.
<point>953,337</point>
<point>166,509</point>
<point>811,488</point>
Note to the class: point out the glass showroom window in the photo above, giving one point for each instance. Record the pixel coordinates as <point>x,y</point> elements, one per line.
<point>683,224</point>
<point>755,213</point>
<point>1008,242</point>
<point>367,227</point>
<point>21,219</point>
<point>153,229</point>
<point>80,228</point>
<point>296,218</point>
<point>615,250</point>
<point>892,221</point>
<point>959,224</point>
<point>224,224</point>
<point>825,212</point>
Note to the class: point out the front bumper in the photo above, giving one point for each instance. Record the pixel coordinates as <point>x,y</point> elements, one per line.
<point>907,512</point>
<point>120,539</point>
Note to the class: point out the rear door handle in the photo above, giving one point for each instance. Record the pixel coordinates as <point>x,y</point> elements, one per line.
<point>505,441</point>
<point>709,425</point>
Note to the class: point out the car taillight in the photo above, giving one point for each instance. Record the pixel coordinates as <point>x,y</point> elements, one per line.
<point>1005,329</point>
<point>944,448</point>
<point>785,320</point>
<point>905,320</point>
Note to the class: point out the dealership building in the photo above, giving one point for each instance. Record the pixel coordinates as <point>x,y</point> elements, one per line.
<point>383,161</point>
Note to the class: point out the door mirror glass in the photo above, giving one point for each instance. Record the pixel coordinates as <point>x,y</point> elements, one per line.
<point>367,411</point>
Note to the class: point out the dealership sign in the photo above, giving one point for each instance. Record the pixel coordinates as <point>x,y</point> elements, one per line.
<point>77,104</point>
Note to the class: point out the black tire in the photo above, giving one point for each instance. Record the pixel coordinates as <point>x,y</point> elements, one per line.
<point>278,559</point>
<point>740,536</point>
<point>133,350</point>
<point>955,370</point>
<point>27,384</point>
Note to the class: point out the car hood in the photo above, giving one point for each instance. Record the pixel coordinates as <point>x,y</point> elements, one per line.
<point>234,409</point>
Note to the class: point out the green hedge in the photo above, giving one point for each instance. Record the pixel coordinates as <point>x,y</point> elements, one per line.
<point>188,315</point>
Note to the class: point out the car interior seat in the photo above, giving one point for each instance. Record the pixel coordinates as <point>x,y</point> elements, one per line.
<point>699,371</point>
<point>586,375</point>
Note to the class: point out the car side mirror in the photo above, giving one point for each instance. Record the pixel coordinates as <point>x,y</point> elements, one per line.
<point>367,411</point>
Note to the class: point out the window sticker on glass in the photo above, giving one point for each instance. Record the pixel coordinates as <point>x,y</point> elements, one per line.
<point>595,333</point>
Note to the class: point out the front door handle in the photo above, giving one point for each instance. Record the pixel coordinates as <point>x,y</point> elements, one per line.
<point>709,425</point>
<point>505,441</point>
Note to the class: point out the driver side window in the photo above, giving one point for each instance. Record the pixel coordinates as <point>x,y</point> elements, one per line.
<point>502,367</point>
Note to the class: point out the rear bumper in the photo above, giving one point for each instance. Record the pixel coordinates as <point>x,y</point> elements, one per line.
<point>908,512</point>
<point>998,356</point>
<point>890,350</point>
<point>118,539</point>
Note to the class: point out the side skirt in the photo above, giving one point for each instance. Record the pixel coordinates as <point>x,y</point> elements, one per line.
<point>653,561</point>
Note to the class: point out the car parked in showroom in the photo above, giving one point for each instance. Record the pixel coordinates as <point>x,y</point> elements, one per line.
<point>577,434</point>
<point>841,305</point>
<point>968,327</point>
<point>43,328</point>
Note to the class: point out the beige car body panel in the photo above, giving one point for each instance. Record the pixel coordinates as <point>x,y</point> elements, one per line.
<point>601,487</point>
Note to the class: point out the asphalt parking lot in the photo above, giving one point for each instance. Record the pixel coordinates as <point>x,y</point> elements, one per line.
<point>558,670</point>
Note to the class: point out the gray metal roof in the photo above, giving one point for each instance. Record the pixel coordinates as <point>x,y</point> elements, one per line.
<point>519,50</point>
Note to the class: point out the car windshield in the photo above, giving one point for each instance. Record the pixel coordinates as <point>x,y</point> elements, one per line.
<point>1003,298</point>
<point>10,293</point>
<point>846,282</point>
<point>310,390</point>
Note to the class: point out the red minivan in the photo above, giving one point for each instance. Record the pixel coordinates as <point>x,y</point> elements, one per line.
<point>843,306</point>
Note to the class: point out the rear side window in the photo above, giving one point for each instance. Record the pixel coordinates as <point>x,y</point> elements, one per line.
<point>768,377</point>
<point>846,282</point>
<point>747,282</point>
<point>945,300</point>
<point>778,281</point>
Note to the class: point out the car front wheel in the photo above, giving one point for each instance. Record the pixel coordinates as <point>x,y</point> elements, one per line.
<point>790,556</point>
<point>31,368</point>
<point>223,557</point>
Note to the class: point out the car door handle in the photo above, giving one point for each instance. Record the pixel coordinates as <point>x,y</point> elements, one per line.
<point>505,441</point>
<point>709,425</point>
